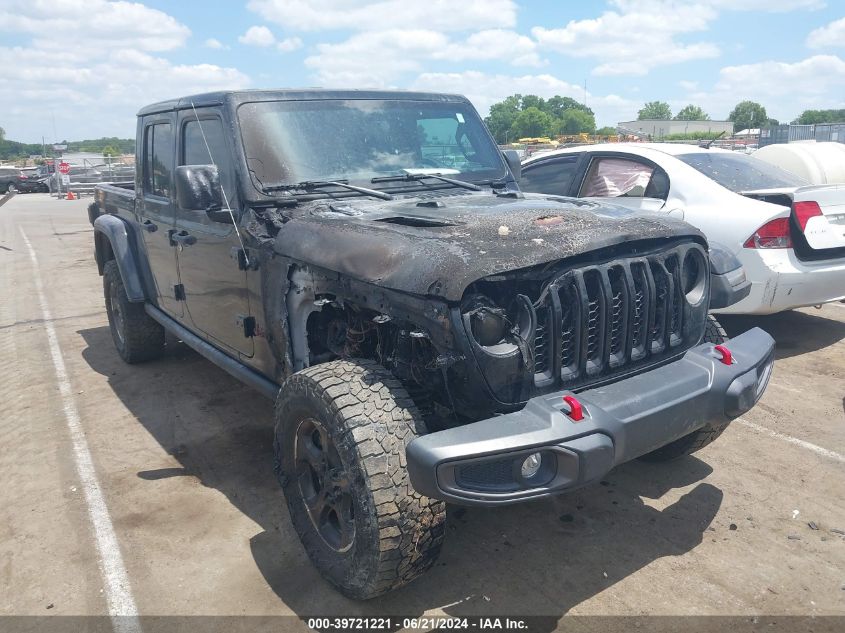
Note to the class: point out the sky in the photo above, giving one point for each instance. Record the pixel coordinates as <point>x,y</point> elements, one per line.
<point>74,69</point>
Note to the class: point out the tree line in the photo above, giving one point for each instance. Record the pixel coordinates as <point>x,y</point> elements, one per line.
<point>108,146</point>
<point>520,116</point>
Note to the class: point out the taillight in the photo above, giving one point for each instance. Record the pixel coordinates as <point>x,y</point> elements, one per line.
<point>773,234</point>
<point>804,211</point>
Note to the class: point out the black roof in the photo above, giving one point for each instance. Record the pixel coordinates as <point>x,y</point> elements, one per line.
<point>237,97</point>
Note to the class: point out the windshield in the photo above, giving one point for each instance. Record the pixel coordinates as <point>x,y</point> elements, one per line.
<point>288,142</point>
<point>739,172</point>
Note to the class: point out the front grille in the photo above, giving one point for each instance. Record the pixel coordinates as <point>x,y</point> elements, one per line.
<point>610,318</point>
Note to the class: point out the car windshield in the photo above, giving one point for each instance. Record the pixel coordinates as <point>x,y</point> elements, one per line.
<point>738,172</point>
<point>289,142</point>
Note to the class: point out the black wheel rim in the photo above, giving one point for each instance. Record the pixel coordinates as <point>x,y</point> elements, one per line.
<point>324,485</point>
<point>116,312</point>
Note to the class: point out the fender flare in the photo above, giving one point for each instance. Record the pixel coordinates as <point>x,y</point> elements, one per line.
<point>113,231</point>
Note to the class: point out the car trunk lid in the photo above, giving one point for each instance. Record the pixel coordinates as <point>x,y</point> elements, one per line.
<point>817,220</point>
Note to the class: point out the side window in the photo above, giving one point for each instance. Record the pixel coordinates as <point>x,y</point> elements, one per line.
<point>552,177</point>
<point>615,177</point>
<point>158,159</point>
<point>195,151</point>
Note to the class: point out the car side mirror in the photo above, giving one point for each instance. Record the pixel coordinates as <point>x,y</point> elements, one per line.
<point>512,159</point>
<point>198,189</point>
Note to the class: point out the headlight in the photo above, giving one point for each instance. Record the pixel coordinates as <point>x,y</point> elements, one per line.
<point>488,323</point>
<point>693,276</point>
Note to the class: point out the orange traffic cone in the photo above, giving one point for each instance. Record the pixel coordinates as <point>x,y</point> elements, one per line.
<point>70,196</point>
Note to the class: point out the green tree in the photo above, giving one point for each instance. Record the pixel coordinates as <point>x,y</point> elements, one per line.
<point>557,105</point>
<point>2,134</point>
<point>655,110</point>
<point>606,131</point>
<point>531,122</point>
<point>110,150</point>
<point>575,121</point>
<point>809,117</point>
<point>748,114</point>
<point>533,101</point>
<point>501,118</point>
<point>692,113</point>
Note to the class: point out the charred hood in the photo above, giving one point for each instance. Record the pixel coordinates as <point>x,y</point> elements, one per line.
<point>439,246</point>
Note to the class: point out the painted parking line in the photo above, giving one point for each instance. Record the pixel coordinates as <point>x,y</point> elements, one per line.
<point>824,452</point>
<point>121,604</point>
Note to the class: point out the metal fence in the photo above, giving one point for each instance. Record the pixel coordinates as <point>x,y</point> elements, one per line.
<point>87,174</point>
<point>789,133</point>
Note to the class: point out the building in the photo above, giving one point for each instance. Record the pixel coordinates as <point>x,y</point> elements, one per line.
<point>660,128</point>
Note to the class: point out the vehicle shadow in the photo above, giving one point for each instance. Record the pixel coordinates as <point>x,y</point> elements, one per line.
<point>794,332</point>
<point>541,558</point>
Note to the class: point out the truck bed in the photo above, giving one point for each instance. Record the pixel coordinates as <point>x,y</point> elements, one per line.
<point>115,198</point>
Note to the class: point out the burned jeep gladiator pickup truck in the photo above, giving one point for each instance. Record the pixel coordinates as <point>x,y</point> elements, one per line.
<point>429,333</point>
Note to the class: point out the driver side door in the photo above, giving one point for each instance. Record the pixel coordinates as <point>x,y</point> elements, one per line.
<point>215,286</point>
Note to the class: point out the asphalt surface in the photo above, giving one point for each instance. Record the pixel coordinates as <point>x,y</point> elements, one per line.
<point>181,455</point>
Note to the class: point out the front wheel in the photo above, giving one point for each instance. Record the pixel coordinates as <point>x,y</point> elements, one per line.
<point>11,188</point>
<point>714,332</point>
<point>341,432</point>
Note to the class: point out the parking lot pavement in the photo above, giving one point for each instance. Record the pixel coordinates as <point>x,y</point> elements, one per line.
<point>181,455</point>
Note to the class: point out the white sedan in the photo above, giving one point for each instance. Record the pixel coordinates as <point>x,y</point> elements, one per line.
<point>789,236</point>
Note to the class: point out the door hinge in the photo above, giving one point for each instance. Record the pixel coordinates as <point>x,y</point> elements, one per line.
<point>247,259</point>
<point>179,292</point>
<point>248,323</point>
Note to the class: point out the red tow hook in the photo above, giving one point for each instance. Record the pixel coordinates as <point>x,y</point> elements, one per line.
<point>727,357</point>
<point>576,411</point>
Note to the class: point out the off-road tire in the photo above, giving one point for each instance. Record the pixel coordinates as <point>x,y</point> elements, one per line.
<point>695,441</point>
<point>137,337</point>
<point>370,419</point>
<point>714,332</point>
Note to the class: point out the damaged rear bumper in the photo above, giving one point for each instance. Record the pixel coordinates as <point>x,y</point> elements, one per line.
<point>481,463</point>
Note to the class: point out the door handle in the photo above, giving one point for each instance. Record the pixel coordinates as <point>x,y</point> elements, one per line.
<point>149,227</point>
<point>183,239</point>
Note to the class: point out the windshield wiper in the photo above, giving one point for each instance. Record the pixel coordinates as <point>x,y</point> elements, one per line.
<point>413,177</point>
<point>318,184</point>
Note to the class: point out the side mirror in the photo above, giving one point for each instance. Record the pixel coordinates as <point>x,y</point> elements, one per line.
<point>512,159</point>
<point>198,189</point>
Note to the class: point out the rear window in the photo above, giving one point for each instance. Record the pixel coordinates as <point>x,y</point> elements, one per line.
<point>739,172</point>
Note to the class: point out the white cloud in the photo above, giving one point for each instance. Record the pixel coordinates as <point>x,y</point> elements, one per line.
<point>784,89</point>
<point>378,58</point>
<point>263,37</point>
<point>828,36</point>
<point>635,39</point>
<point>439,15</point>
<point>258,36</point>
<point>289,44</point>
<point>214,44</point>
<point>486,89</point>
<point>639,35</point>
<point>688,85</point>
<point>110,65</point>
<point>70,24</point>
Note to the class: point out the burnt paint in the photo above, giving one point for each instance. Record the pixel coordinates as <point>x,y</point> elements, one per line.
<point>442,261</point>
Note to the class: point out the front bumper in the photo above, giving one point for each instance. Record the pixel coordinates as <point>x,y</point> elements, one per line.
<point>479,463</point>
